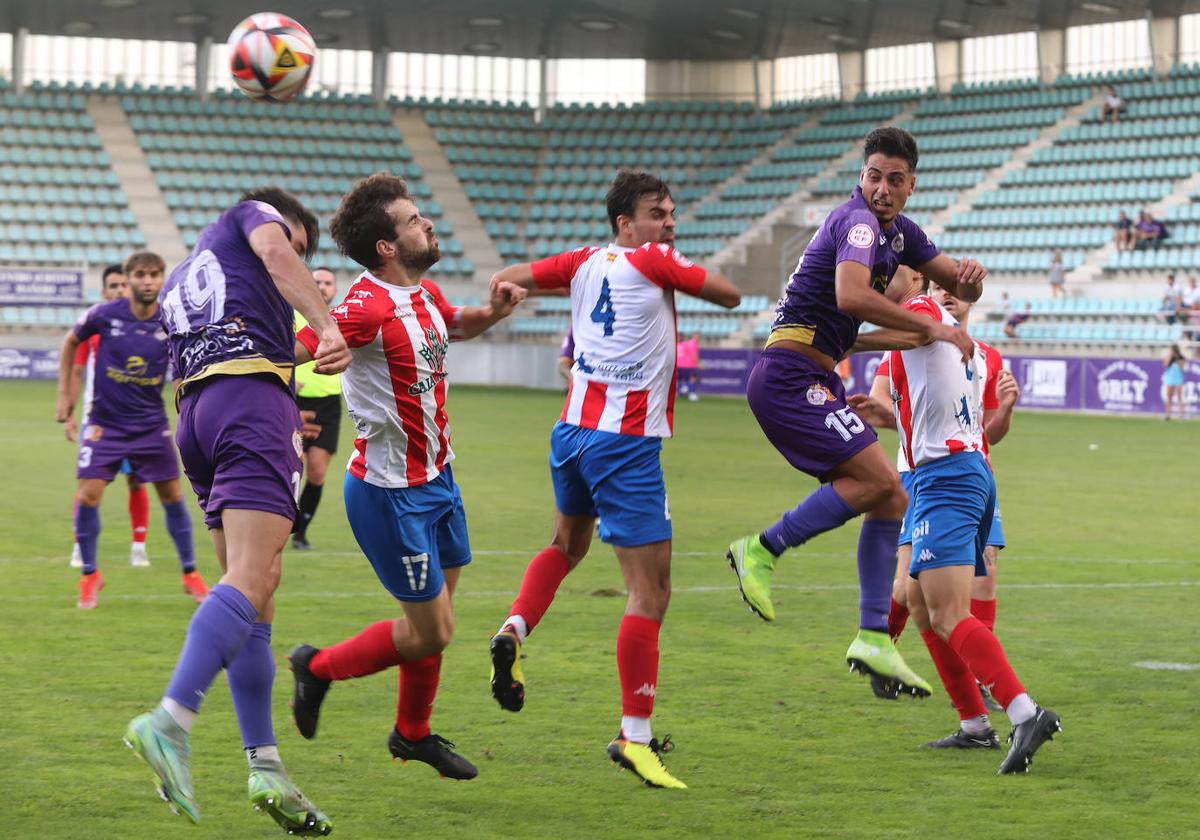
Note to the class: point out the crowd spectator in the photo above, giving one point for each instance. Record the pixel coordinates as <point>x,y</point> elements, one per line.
<point>1123,233</point>
<point>1171,308</point>
<point>687,359</point>
<point>1016,319</point>
<point>1058,275</point>
<point>1149,232</point>
<point>1002,311</point>
<point>1113,104</point>
<point>1173,380</point>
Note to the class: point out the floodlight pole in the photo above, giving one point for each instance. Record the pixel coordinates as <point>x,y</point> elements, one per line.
<point>20,43</point>
<point>379,68</point>
<point>203,57</point>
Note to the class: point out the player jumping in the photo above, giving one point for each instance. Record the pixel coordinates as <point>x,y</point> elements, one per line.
<point>126,419</point>
<point>605,449</point>
<point>800,402</point>
<point>228,311</point>
<point>404,507</point>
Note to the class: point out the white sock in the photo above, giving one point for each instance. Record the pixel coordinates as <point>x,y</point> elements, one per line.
<point>1021,709</point>
<point>182,715</point>
<point>636,729</point>
<point>267,752</point>
<point>978,725</point>
<point>517,625</point>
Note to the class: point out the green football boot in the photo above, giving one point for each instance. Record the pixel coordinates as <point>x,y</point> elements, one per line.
<point>753,565</point>
<point>873,653</point>
<point>273,793</point>
<point>163,744</point>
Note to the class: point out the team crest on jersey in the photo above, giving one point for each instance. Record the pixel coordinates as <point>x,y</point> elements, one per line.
<point>93,432</point>
<point>433,351</point>
<point>860,236</point>
<point>298,443</point>
<point>819,395</point>
<point>898,243</point>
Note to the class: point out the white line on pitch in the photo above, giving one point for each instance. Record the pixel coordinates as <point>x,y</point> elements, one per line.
<point>1167,666</point>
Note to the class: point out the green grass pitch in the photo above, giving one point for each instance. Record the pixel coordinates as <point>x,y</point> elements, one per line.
<point>775,738</point>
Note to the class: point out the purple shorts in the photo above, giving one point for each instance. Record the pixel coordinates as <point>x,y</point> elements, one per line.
<point>802,409</point>
<point>240,441</point>
<point>151,455</point>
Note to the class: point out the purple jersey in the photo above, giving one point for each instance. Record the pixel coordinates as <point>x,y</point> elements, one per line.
<point>808,311</point>
<point>220,306</point>
<point>567,350</point>
<point>130,367</point>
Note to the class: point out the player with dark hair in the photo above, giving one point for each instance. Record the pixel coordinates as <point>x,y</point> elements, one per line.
<point>605,450</point>
<point>227,310</point>
<point>126,419</point>
<point>320,394</point>
<point>841,281</point>
<point>404,507</point>
<point>113,285</point>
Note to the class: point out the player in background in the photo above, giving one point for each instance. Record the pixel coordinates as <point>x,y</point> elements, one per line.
<point>126,419</point>
<point>799,400</point>
<point>687,355</point>
<point>939,413</point>
<point>605,449</point>
<point>322,395</point>
<point>227,310</point>
<point>404,506</point>
<point>113,285</point>
<point>566,357</point>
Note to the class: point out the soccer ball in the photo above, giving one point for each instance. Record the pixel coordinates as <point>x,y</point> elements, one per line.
<point>271,56</point>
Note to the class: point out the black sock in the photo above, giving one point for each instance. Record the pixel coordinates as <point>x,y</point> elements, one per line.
<point>310,497</point>
<point>762,540</point>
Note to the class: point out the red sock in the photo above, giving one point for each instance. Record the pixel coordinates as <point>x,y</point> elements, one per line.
<point>542,577</point>
<point>139,513</point>
<point>983,654</point>
<point>370,651</point>
<point>897,618</point>
<point>418,687</point>
<point>956,677</point>
<point>985,611</point>
<point>637,664</point>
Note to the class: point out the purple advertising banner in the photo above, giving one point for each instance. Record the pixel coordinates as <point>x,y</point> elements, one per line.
<point>32,286</point>
<point>1063,383</point>
<point>28,364</point>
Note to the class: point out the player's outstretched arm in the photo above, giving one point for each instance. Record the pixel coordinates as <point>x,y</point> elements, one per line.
<point>997,421</point>
<point>961,278</point>
<point>505,295</point>
<point>520,274</point>
<point>720,290</point>
<point>295,282</point>
<point>875,407</point>
<point>879,340</point>
<point>68,393</point>
<point>852,284</point>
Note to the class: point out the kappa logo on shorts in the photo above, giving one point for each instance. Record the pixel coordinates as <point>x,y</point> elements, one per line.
<point>925,556</point>
<point>819,395</point>
<point>860,236</point>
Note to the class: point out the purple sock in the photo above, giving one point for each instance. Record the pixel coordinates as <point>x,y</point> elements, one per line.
<point>219,629</point>
<point>822,511</point>
<point>876,570</point>
<point>87,533</point>
<point>251,675</point>
<point>179,526</point>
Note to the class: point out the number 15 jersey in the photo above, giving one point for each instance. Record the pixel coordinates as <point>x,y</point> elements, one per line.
<point>623,321</point>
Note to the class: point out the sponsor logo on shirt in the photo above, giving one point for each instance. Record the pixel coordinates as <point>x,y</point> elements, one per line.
<point>433,351</point>
<point>860,236</point>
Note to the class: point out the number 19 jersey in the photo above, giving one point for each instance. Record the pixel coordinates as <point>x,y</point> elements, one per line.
<point>623,321</point>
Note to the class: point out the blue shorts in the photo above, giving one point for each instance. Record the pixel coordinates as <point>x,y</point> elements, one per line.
<point>954,499</point>
<point>410,534</point>
<point>995,533</point>
<point>126,467</point>
<point>618,478</point>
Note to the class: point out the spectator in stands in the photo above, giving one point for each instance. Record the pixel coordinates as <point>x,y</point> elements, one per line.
<point>1058,275</point>
<point>1171,308</point>
<point>1123,235</point>
<point>1189,309</point>
<point>1002,311</point>
<point>1113,104</point>
<point>687,359</point>
<point>1173,381</point>
<point>1148,232</point>
<point>1017,318</point>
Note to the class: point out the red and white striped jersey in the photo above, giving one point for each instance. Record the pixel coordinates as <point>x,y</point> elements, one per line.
<point>623,321</point>
<point>938,399</point>
<point>85,357</point>
<point>395,387</point>
<point>995,364</point>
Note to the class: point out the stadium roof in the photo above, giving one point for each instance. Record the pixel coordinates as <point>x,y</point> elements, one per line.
<point>651,29</point>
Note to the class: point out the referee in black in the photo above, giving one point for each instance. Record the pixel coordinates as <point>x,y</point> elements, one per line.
<point>321,395</point>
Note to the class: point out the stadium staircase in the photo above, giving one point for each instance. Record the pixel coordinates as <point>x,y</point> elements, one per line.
<point>137,181</point>
<point>457,208</point>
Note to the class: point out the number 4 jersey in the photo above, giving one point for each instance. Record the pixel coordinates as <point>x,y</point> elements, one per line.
<point>623,322</point>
